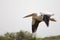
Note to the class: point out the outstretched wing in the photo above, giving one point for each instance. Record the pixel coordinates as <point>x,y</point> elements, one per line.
<point>33,14</point>
<point>35,26</point>
<point>46,19</point>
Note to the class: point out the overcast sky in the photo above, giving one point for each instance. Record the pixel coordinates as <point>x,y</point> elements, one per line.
<point>13,11</point>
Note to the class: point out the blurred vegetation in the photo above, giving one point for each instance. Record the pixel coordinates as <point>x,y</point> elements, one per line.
<point>24,35</point>
<point>52,38</point>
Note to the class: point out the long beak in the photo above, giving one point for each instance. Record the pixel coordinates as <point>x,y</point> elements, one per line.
<point>52,19</point>
<point>28,16</point>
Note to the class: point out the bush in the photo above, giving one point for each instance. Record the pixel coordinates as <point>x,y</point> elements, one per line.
<point>18,36</point>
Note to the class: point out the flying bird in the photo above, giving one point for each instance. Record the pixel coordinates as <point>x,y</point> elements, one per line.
<point>35,21</point>
<point>38,19</point>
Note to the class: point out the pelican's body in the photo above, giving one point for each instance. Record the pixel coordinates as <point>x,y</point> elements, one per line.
<point>37,19</point>
<point>35,22</point>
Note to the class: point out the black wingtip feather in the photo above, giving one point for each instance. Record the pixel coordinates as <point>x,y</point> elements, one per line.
<point>34,26</point>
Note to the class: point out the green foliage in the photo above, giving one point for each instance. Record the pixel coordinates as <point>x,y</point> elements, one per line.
<point>1,38</point>
<point>52,38</point>
<point>9,36</point>
<point>18,36</point>
<point>24,35</point>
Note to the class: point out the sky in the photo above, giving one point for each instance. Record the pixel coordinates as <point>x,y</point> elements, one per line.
<point>13,11</point>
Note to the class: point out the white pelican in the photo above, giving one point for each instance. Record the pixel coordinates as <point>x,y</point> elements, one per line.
<point>37,19</point>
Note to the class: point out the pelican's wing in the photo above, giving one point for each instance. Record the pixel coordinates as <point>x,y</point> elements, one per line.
<point>35,25</point>
<point>30,15</point>
<point>42,14</point>
<point>46,20</point>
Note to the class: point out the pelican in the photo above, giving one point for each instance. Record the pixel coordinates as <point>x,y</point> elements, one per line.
<point>38,19</point>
